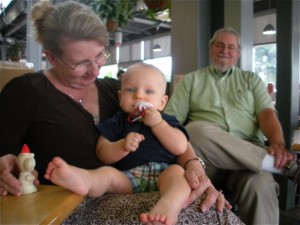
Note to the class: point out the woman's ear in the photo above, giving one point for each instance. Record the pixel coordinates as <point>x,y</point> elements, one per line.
<point>163,103</point>
<point>51,58</point>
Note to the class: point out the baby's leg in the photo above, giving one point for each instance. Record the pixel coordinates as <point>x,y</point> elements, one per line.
<point>87,182</point>
<point>174,192</point>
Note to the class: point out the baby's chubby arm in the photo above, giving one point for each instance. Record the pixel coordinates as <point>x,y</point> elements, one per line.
<point>173,139</point>
<point>111,152</point>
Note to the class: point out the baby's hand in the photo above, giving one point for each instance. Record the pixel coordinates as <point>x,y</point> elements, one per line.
<point>132,141</point>
<point>152,117</point>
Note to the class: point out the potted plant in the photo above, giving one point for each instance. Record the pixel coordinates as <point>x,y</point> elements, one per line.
<point>155,9</point>
<point>115,13</point>
<point>157,5</point>
<point>14,51</point>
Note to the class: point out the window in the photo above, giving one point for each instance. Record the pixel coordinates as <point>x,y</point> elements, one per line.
<point>164,64</point>
<point>4,4</point>
<point>109,71</point>
<point>265,62</point>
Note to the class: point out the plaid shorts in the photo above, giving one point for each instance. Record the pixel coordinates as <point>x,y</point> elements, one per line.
<point>144,178</point>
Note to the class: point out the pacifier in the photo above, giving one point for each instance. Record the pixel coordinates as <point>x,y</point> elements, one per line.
<point>139,111</point>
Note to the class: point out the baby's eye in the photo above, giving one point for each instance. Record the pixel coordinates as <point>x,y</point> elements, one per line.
<point>149,92</point>
<point>131,90</point>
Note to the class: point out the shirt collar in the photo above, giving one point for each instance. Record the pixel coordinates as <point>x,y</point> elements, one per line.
<point>218,73</point>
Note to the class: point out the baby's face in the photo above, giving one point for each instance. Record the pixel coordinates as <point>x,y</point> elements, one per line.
<point>142,84</point>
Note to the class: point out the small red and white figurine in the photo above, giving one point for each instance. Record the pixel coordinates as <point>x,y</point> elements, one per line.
<point>26,164</point>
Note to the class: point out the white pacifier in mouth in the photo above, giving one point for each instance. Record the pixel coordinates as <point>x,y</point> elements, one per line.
<point>139,111</point>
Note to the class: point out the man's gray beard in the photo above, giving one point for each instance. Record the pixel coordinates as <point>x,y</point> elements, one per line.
<point>221,68</point>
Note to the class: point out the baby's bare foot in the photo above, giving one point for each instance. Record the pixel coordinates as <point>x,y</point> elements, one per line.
<point>162,213</point>
<point>67,176</point>
<point>154,219</point>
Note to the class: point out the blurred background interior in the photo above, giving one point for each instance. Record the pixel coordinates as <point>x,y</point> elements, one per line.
<point>173,35</point>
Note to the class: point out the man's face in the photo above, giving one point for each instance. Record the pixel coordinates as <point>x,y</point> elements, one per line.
<point>224,52</point>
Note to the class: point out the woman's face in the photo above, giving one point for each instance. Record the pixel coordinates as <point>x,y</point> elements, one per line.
<point>81,62</point>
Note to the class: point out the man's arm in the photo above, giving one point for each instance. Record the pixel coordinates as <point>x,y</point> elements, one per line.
<point>270,126</point>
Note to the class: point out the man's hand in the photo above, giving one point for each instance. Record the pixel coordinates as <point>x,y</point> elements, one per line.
<point>281,154</point>
<point>270,126</point>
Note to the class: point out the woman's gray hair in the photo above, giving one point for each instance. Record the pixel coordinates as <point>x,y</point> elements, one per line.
<point>68,20</point>
<point>229,30</point>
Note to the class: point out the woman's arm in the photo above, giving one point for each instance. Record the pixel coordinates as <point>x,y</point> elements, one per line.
<point>17,101</point>
<point>200,183</point>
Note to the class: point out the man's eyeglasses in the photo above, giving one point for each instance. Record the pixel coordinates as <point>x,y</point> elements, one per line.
<point>85,65</point>
<point>223,46</point>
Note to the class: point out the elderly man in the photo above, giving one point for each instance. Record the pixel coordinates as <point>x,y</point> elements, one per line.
<point>228,113</point>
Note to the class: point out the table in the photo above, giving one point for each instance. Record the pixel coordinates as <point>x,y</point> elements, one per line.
<point>10,70</point>
<point>296,140</point>
<point>50,205</point>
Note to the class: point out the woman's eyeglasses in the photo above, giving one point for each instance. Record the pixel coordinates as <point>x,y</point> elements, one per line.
<point>85,65</point>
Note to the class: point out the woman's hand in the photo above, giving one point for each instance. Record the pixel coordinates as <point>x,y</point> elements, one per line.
<point>9,183</point>
<point>200,184</point>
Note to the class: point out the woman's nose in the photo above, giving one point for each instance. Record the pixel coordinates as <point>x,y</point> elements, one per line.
<point>94,69</point>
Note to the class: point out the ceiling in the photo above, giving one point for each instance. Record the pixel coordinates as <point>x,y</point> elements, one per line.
<point>14,17</point>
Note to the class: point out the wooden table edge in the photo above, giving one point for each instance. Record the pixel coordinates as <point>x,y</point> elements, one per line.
<point>63,210</point>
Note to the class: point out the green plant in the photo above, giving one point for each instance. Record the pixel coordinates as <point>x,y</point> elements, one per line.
<point>154,7</point>
<point>14,50</point>
<point>119,11</point>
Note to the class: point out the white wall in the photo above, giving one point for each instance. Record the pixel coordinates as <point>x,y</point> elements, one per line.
<point>131,51</point>
<point>260,21</point>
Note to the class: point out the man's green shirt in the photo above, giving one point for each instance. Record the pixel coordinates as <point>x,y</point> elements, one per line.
<point>232,100</point>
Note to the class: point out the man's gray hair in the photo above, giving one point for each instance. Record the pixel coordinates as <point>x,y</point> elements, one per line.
<point>228,30</point>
